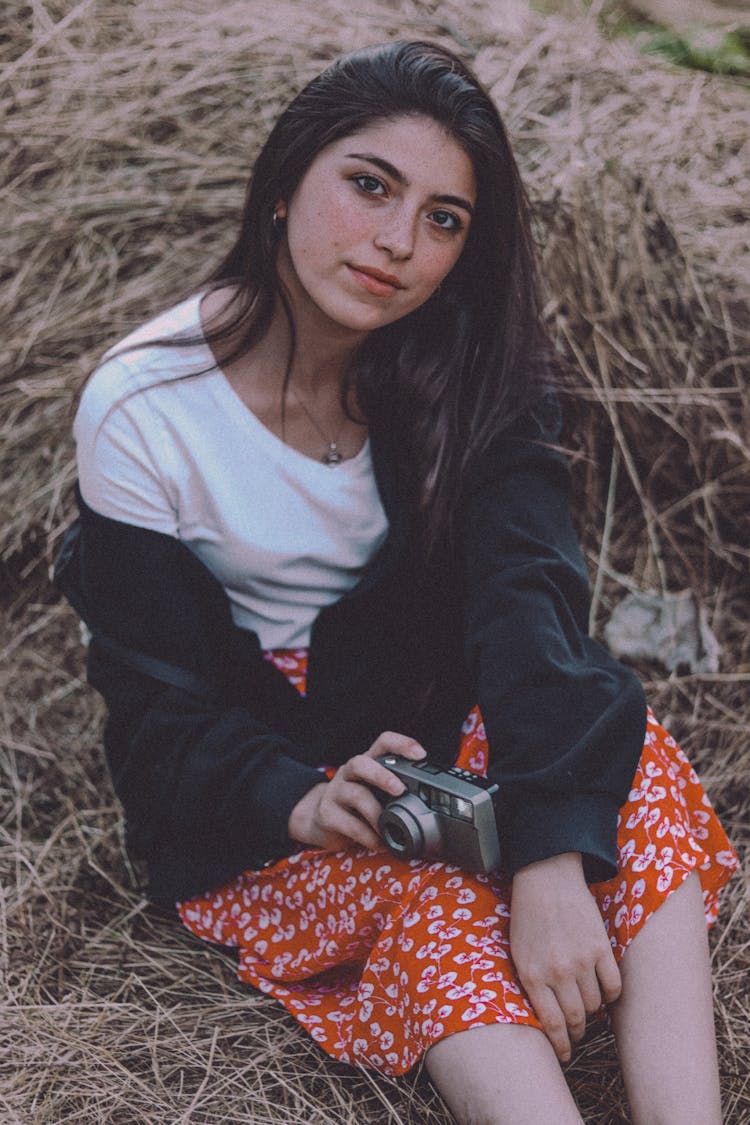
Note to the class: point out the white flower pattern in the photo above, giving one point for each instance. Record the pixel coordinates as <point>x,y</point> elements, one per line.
<point>378,958</point>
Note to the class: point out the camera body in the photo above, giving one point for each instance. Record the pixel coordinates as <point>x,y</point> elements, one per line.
<point>446,814</point>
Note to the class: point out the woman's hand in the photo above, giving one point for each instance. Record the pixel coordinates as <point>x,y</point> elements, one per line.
<point>560,948</point>
<point>344,811</point>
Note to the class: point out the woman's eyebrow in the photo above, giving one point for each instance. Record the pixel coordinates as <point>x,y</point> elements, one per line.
<point>392,171</point>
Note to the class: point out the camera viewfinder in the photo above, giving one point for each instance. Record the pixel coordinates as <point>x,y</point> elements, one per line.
<point>462,808</point>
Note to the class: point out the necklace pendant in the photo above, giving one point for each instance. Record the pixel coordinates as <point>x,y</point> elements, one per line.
<point>332,457</point>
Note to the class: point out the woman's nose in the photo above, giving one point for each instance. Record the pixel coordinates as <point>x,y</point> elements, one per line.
<point>396,234</point>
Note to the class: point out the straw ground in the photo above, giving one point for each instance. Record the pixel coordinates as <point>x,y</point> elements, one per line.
<point>129,128</point>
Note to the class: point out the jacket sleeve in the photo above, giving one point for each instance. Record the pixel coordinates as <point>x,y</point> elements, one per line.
<point>208,779</point>
<point>565,721</point>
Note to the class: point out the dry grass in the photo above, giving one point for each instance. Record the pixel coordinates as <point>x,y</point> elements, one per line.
<point>129,128</point>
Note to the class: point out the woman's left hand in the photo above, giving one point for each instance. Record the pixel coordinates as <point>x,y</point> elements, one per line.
<point>560,948</point>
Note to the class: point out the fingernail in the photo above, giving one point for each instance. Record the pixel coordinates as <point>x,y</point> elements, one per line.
<point>420,752</point>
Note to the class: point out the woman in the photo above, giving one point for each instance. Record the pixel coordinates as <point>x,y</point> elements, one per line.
<point>323,514</point>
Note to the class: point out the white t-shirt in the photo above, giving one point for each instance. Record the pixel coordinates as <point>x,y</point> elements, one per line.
<point>284,534</point>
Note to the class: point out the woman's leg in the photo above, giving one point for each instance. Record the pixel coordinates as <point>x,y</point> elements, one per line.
<point>664,1019</point>
<point>501,1074</point>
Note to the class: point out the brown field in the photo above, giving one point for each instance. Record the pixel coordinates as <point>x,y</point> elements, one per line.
<point>129,128</point>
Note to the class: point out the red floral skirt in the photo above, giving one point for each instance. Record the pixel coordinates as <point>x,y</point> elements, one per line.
<point>378,958</point>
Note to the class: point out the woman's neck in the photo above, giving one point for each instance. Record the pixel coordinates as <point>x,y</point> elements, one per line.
<point>320,359</point>
<point>307,413</point>
<point>322,352</point>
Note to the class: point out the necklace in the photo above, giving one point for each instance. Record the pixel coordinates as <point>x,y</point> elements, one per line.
<point>332,456</point>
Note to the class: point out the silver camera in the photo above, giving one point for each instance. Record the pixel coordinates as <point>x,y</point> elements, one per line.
<point>444,814</point>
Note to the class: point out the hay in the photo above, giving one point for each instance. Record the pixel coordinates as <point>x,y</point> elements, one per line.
<point>129,128</point>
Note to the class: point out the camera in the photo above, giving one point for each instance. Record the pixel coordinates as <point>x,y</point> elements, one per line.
<point>446,814</point>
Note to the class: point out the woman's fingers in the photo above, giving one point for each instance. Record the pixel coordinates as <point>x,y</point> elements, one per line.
<point>562,1008</point>
<point>573,1009</point>
<point>601,984</point>
<point>327,817</point>
<point>389,742</point>
<point>552,1019</point>
<point>348,828</point>
<point>562,1012</point>
<point>346,809</point>
<point>351,809</point>
<point>590,991</point>
<point>367,768</point>
<point>357,797</point>
<point>608,973</point>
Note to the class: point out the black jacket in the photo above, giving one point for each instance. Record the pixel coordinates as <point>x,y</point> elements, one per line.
<point>209,768</point>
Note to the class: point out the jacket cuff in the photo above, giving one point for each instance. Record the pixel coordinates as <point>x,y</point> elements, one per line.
<point>273,795</point>
<point>547,826</point>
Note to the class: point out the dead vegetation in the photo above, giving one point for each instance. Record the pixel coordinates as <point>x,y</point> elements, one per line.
<point>129,128</point>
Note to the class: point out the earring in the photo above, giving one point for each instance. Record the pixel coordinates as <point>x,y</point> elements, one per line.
<point>279,215</point>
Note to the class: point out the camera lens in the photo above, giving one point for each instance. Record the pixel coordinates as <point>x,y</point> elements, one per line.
<point>409,828</point>
<point>396,836</point>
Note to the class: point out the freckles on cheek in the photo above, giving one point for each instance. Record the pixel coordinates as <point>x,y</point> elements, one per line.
<point>343,224</point>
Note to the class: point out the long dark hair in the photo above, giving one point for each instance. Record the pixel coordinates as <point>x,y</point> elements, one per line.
<point>455,372</point>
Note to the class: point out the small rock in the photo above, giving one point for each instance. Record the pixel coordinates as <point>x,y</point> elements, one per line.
<point>669,628</point>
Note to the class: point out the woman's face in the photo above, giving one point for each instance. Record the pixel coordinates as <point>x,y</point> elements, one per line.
<point>378,220</point>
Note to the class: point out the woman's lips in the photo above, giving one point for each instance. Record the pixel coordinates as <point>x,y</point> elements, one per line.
<point>375,281</point>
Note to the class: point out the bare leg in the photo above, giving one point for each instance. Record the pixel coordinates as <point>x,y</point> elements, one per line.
<point>664,1019</point>
<point>501,1074</point>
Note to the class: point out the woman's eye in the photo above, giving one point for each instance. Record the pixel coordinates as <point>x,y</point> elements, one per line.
<point>446,219</point>
<point>370,184</point>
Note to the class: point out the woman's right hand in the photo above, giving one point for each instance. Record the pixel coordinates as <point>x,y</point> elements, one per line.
<point>344,811</point>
